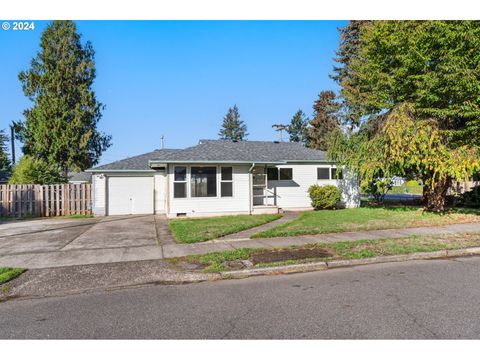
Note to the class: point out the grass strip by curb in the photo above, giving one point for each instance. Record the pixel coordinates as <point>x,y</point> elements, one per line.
<point>7,274</point>
<point>342,250</point>
<point>325,265</point>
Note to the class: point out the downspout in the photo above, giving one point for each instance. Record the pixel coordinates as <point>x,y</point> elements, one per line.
<point>167,190</point>
<point>250,188</point>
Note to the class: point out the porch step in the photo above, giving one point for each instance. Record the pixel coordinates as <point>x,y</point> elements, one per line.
<point>266,209</point>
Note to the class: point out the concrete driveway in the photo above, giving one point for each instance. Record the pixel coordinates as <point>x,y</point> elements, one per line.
<point>82,237</point>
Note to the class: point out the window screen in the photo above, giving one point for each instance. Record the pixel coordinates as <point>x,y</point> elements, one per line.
<point>226,182</point>
<point>227,173</point>
<point>180,182</point>
<point>286,174</point>
<point>323,173</point>
<point>272,174</point>
<point>180,173</point>
<point>180,190</point>
<point>227,189</point>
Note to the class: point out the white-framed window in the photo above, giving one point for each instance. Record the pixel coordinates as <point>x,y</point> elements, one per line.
<point>226,181</point>
<point>323,173</point>
<point>274,174</point>
<point>180,182</point>
<point>329,173</point>
<point>203,181</point>
<point>286,173</point>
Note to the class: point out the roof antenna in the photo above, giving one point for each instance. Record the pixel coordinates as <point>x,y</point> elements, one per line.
<point>162,138</point>
<point>280,128</point>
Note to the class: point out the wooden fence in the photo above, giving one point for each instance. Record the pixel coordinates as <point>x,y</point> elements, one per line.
<point>45,200</point>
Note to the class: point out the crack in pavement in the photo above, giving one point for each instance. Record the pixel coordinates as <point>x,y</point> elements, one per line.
<point>233,322</point>
<point>407,277</point>
<point>412,316</point>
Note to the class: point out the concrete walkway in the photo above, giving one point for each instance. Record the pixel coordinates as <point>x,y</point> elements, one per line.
<point>245,234</point>
<point>167,249</point>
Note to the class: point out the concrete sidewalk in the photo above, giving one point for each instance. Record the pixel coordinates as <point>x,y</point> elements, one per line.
<point>168,250</point>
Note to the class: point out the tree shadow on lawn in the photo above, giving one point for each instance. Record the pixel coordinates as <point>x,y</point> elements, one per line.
<point>406,208</point>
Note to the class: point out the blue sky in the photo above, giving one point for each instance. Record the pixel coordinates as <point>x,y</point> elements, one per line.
<point>178,78</point>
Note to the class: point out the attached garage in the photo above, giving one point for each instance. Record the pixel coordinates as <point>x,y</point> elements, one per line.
<point>130,195</point>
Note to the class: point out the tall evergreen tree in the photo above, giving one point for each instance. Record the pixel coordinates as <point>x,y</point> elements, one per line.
<point>5,164</point>
<point>232,127</point>
<point>343,74</point>
<point>61,126</point>
<point>325,120</point>
<point>298,127</point>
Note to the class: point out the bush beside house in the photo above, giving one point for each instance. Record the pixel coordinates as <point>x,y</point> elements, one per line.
<point>325,197</point>
<point>34,171</point>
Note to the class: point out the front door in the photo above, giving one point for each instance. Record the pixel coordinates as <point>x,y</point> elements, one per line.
<point>259,185</point>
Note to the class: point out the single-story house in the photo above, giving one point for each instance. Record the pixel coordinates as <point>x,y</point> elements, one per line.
<point>217,177</point>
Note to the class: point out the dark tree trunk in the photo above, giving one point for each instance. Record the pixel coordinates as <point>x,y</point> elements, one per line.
<point>437,195</point>
<point>65,174</point>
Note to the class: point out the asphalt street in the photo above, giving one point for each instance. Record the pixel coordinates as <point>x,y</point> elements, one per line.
<point>413,300</point>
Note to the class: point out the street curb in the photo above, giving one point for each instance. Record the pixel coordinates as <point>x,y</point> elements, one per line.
<point>322,265</point>
<point>274,270</point>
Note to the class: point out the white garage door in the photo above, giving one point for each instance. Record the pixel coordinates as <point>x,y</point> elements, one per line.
<point>130,195</point>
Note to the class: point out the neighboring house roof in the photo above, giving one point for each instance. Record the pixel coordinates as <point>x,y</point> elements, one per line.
<point>79,177</point>
<point>139,162</point>
<point>223,151</point>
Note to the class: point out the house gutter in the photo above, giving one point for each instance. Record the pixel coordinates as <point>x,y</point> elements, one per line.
<point>118,171</point>
<point>160,162</point>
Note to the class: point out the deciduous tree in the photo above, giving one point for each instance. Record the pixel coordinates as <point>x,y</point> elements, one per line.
<point>416,87</point>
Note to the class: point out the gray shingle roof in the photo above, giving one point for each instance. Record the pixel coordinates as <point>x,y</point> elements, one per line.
<point>223,151</point>
<point>139,162</point>
<point>244,151</point>
<point>79,177</point>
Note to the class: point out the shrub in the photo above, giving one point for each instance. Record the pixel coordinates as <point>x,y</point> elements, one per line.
<point>324,197</point>
<point>471,198</point>
<point>378,188</point>
<point>412,183</point>
<point>34,171</point>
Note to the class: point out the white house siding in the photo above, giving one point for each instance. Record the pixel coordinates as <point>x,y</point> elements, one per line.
<point>239,203</point>
<point>99,194</point>
<point>160,188</point>
<point>293,194</point>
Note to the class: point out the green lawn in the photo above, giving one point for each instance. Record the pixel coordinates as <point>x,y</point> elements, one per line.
<point>7,274</point>
<point>79,216</point>
<point>366,218</point>
<point>196,230</point>
<point>407,189</point>
<point>215,262</point>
